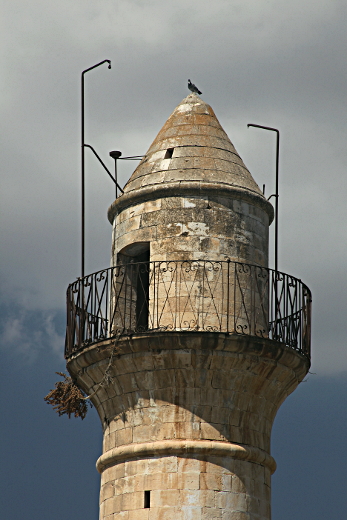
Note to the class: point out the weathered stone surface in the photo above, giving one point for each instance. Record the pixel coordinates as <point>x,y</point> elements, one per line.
<point>187,415</point>
<point>222,392</point>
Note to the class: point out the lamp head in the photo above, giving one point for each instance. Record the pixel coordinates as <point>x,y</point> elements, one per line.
<point>115,154</point>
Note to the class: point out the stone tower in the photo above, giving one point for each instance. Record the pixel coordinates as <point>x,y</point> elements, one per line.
<point>188,344</point>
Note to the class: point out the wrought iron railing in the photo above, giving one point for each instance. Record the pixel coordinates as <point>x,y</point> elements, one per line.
<point>189,295</point>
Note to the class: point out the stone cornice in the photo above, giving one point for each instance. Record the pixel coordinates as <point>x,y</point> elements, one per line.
<point>184,448</point>
<point>188,188</point>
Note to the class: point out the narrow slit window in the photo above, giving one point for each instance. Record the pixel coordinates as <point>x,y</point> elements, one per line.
<point>169,153</point>
<point>147,500</point>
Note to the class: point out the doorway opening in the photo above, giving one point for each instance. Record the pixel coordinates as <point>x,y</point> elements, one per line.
<point>135,257</point>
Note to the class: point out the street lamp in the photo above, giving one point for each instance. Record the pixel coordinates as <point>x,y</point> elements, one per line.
<point>115,155</point>
<point>276,193</point>
<point>82,156</point>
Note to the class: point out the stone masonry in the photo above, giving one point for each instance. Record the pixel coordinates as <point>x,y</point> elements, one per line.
<point>187,413</point>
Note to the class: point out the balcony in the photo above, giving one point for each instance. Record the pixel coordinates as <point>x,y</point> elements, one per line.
<point>205,296</point>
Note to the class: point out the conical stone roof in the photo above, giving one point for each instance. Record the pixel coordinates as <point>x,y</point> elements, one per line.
<point>191,152</point>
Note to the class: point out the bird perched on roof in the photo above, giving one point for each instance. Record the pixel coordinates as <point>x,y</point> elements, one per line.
<point>193,88</point>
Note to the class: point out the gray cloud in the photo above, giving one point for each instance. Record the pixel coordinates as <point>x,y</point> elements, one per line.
<point>272,63</point>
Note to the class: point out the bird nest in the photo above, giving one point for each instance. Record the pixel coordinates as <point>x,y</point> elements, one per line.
<point>67,398</point>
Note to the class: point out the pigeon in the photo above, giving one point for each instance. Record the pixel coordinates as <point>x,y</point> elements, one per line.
<point>193,88</point>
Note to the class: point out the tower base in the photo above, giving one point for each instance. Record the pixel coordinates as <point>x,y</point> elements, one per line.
<point>187,419</point>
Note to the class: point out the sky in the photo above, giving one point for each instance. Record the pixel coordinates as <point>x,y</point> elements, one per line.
<point>274,63</point>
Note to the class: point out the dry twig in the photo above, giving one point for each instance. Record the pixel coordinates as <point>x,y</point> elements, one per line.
<point>67,398</point>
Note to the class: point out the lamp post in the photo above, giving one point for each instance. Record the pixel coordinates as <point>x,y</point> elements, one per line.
<point>276,193</point>
<point>115,155</point>
<point>82,159</point>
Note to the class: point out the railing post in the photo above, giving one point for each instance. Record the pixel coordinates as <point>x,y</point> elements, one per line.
<point>80,310</point>
<point>69,329</point>
<point>228,292</point>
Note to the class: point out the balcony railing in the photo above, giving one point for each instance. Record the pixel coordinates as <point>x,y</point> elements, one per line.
<point>203,295</point>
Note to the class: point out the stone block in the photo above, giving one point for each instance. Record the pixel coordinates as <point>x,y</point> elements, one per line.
<point>111,391</point>
<point>162,465</point>
<point>169,464</point>
<point>186,397</point>
<point>163,396</point>
<point>166,431</point>
<point>172,229</point>
<point>158,359</point>
<point>144,433</point>
<point>174,413</point>
<point>135,417</point>
<point>164,378</point>
<point>132,501</point>
<point>209,396</point>
<point>211,513</point>
<point>221,499</point>
<point>237,515</point>
<point>112,505</point>
<point>227,482</point>
<point>119,486</point>
<point>211,431</point>
<point>140,482</point>
<point>105,443</point>
<point>153,481</point>
<point>220,415</point>
<point>107,491</point>
<point>188,481</point>
<point>144,380</point>
<point>125,364</point>
<point>161,481</point>
<point>235,417</point>
<point>201,413</point>
<point>191,497</point>
<point>135,467</point>
<point>129,485</point>
<point>191,513</point>
<point>171,202</point>
<point>254,504</point>
<point>182,358</point>
<point>211,481</point>
<point>218,465</point>
<point>143,361</point>
<point>168,513</point>
<point>124,436</point>
<point>185,377</point>
<point>203,378</point>
<point>122,515</point>
<point>201,359</point>
<point>187,430</point>
<point>139,514</point>
<point>239,485</point>
<point>163,498</point>
<point>239,502</point>
<point>113,473</point>
<point>189,465</point>
<point>264,508</point>
<point>128,383</point>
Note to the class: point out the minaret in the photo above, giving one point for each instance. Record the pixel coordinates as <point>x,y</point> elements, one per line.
<point>188,344</point>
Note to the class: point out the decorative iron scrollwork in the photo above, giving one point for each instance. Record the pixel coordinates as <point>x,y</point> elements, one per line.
<point>188,295</point>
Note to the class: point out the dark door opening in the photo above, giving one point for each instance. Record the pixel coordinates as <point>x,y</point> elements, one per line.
<point>142,290</point>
